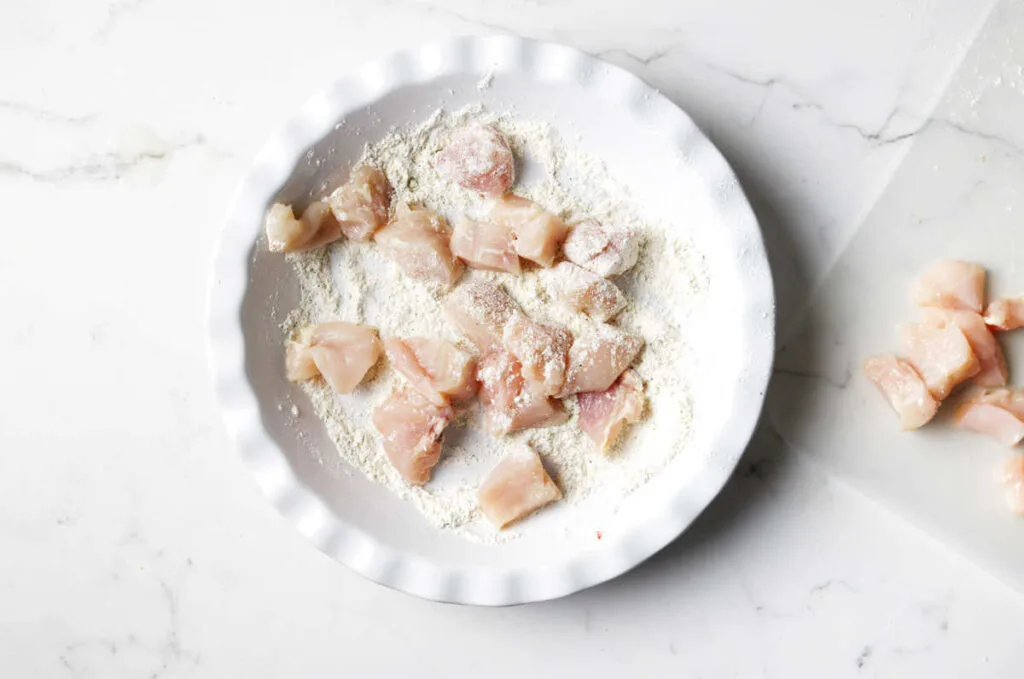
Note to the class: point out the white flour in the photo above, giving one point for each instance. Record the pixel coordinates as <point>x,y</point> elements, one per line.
<point>352,281</point>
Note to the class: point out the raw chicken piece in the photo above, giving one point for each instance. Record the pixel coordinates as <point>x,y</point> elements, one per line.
<point>285,233</point>
<point>597,358</point>
<point>437,369</point>
<point>1011,400</point>
<point>477,157</point>
<point>1012,477</point>
<point>542,350</point>
<point>485,246</point>
<point>538,232</point>
<point>906,391</point>
<point>607,251</point>
<point>361,205</point>
<point>1005,314</point>
<point>989,419</point>
<point>941,355</point>
<point>412,426</point>
<point>952,285</point>
<point>603,414</point>
<point>985,345</point>
<point>417,240</point>
<point>298,358</point>
<point>584,291</point>
<point>480,311</point>
<point>516,487</point>
<point>344,353</point>
<point>509,401</point>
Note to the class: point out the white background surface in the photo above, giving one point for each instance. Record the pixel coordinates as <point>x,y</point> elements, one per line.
<point>133,542</point>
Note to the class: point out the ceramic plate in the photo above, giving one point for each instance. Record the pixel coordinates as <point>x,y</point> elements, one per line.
<point>668,165</point>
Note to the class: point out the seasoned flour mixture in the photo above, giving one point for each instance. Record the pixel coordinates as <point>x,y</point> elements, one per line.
<point>354,282</point>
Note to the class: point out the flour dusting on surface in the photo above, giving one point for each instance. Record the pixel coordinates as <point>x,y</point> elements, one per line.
<point>354,282</point>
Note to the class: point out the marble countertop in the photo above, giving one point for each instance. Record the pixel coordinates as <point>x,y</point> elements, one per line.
<point>134,542</point>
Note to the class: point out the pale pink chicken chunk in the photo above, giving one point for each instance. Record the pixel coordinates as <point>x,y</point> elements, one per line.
<point>480,310</point>
<point>1012,476</point>
<point>992,420</point>
<point>584,291</point>
<point>315,228</point>
<point>434,367</point>
<point>510,402</point>
<point>411,427</point>
<point>538,232</point>
<point>904,388</point>
<point>478,158</point>
<point>940,354</point>
<point>603,414</point>
<point>417,240</point>
<point>952,285</point>
<point>1009,399</point>
<point>516,487</point>
<point>986,347</point>
<point>483,245</point>
<point>542,350</point>
<point>344,353</point>
<point>361,205</point>
<point>597,357</point>
<point>298,357</point>
<point>1005,314</point>
<point>605,250</point>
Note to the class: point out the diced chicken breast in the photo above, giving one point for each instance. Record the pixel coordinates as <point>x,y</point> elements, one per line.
<point>597,358</point>
<point>344,353</point>
<point>952,285</point>
<point>986,347</point>
<point>361,205</point>
<point>480,310</point>
<point>1011,400</point>
<point>285,233</point>
<point>478,158</point>
<point>605,250</point>
<point>584,291</point>
<point>904,388</point>
<point>417,240</point>
<point>603,414</point>
<point>411,427</point>
<point>542,350</point>
<point>1005,314</point>
<point>298,357</point>
<point>516,487</point>
<point>538,232</point>
<point>509,401</point>
<point>940,354</point>
<point>992,420</point>
<point>434,367</point>
<point>1012,477</point>
<point>485,246</point>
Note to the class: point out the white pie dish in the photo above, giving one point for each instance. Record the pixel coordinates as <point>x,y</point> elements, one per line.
<point>660,154</point>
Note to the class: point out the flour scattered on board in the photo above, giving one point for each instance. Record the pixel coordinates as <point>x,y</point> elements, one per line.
<point>353,282</point>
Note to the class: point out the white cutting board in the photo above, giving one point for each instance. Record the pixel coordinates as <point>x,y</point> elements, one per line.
<point>956,195</point>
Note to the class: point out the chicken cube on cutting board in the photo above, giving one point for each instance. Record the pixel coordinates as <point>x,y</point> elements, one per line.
<point>1012,476</point>
<point>411,428</point>
<point>940,354</point>
<point>436,368</point>
<point>1005,314</point>
<point>952,285</point>
<point>904,388</point>
<point>516,487</point>
<point>993,372</point>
